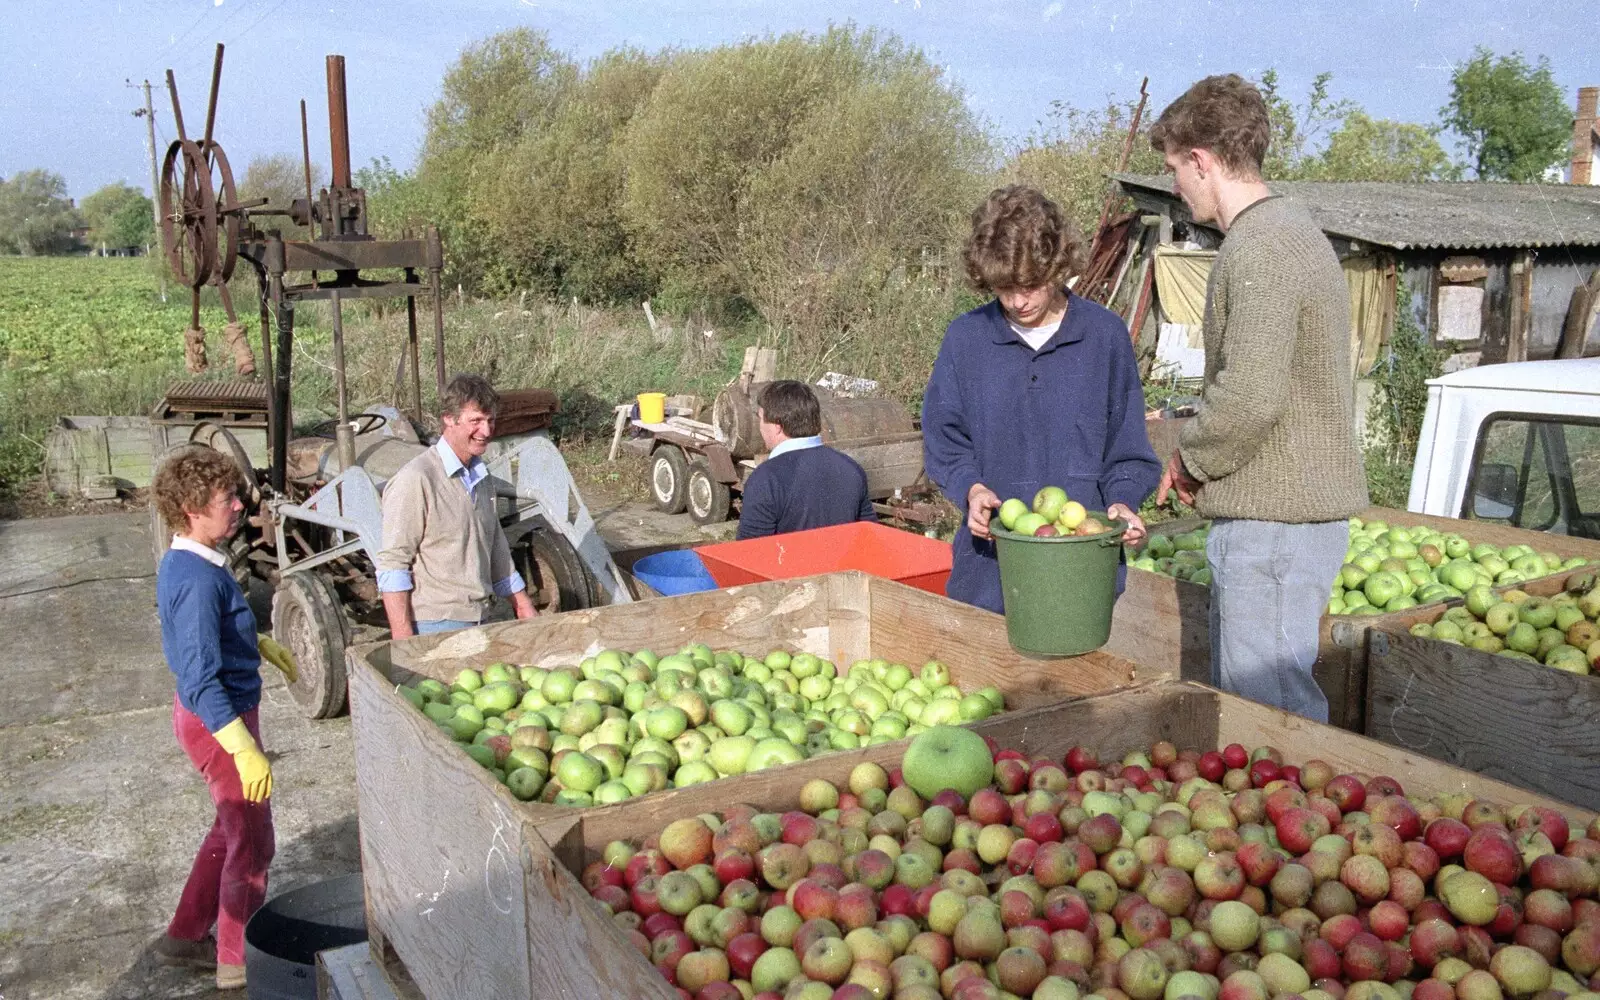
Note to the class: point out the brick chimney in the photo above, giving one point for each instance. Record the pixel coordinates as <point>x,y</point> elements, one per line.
<point>1585,136</point>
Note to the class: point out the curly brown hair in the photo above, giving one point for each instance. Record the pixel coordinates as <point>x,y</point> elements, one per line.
<point>1019,239</point>
<point>1225,114</point>
<point>189,480</point>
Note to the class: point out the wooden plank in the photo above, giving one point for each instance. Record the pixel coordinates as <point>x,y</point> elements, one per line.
<point>1254,725</point>
<point>437,898</point>
<point>1524,723</point>
<point>911,626</point>
<point>1164,625</point>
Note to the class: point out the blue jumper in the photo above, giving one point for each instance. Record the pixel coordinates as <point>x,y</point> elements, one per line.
<point>803,485</point>
<point>999,413</point>
<point>208,635</point>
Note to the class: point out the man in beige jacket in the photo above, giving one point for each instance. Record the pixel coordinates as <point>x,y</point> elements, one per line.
<point>445,557</point>
<point>1272,456</point>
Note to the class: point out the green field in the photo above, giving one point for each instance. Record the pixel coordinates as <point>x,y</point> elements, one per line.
<point>61,315</point>
<point>82,335</point>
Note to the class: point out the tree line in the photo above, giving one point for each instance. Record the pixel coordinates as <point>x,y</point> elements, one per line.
<point>820,182</point>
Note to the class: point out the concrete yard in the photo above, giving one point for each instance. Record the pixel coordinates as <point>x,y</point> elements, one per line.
<point>100,811</point>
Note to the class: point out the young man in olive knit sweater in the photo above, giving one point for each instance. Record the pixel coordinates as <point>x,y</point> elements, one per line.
<point>1272,456</point>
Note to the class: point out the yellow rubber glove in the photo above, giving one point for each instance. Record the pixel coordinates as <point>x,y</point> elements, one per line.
<point>255,774</point>
<point>279,656</point>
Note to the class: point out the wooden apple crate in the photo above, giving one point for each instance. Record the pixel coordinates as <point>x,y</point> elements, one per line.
<point>446,849</point>
<point>472,894</point>
<point>1525,723</point>
<point>1163,622</point>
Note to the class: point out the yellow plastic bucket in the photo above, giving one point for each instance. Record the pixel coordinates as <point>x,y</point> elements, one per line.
<point>652,407</point>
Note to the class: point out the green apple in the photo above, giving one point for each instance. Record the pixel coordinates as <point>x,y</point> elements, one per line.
<point>974,708</point>
<point>695,772</point>
<point>580,772</point>
<point>772,752</point>
<point>1047,503</point>
<point>691,745</point>
<point>731,717</point>
<point>666,723</point>
<point>934,675</point>
<point>947,757</point>
<point>731,754</point>
<point>612,791</point>
<point>558,686</point>
<point>1029,523</point>
<point>525,783</point>
<point>1010,511</point>
<point>1480,599</point>
<point>940,712</point>
<point>468,680</point>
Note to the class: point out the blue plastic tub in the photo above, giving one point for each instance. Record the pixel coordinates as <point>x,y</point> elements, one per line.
<point>679,571</point>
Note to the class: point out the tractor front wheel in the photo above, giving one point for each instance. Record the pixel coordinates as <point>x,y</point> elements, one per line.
<point>308,621</point>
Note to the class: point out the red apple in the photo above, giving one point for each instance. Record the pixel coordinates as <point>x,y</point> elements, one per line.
<point>1547,821</point>
<point>1346,791</point>
<point>1080,759</point>
<point>1448,837</point>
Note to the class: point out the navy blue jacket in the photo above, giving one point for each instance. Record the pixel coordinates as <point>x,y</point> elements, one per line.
<point>806,488</point>
<point>208,635</point>
<point>1070,415</point>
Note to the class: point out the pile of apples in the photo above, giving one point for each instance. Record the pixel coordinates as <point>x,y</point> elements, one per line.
<point>620,725</point>
<point>1051,515</point>
<point>1167,875</point>
<point>1561,631</point>
<point>1387,568</point>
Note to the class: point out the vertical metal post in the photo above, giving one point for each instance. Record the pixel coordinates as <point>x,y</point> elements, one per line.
<point>343,434</point>
<point>263,294</point>
<point>305,153</point>
<point>413,346</point>
<point>280,429</point>
<point>338,123</point>
<point>435,256</point>
<point>155,177</point>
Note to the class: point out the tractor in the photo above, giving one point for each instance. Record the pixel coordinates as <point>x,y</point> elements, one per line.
<point>313,524</point>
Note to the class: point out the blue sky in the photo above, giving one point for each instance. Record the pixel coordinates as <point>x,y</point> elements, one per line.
<point>64,63</point>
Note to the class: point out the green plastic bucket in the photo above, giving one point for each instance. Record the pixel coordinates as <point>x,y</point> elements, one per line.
<point>1059,591</point>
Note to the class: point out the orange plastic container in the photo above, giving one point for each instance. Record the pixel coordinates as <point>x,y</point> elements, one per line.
<point>911,559</point>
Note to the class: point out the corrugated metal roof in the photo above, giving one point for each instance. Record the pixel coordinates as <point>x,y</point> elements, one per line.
<point>1452,215</point>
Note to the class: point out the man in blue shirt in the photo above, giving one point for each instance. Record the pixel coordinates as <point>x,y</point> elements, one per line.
<point>1038,388</point>
<point>803,483</point>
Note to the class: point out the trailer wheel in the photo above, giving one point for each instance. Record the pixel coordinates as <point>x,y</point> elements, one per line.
<point>307,619</point>
<point>709,500</point>
<point>669,479</point>
<point>556,577</point>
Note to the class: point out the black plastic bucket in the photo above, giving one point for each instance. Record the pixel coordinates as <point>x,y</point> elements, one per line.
<point>282,940</point>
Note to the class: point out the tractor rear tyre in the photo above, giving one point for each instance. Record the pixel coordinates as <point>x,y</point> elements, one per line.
<point>669,479</point>
<point>709,499</point>
<point>307,619</point>
<point>557,579</point>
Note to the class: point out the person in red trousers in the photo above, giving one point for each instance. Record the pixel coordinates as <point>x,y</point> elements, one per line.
<point>208,635</point>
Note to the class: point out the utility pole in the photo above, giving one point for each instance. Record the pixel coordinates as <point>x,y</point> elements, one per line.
<point>148,113</point>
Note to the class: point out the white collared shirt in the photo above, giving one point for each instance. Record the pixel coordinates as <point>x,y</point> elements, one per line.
<point>471,474</point>
<point>795,444</point>
<point>205,552</point>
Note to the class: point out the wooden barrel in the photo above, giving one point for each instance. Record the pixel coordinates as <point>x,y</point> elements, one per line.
<point>843,419</point>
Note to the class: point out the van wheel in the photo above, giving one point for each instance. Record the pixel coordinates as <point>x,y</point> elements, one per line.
<point>669,479</point>
<point>709,500</point>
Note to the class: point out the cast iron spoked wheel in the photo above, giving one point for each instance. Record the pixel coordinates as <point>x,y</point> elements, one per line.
<point>226,196</point>
<point>189,214</point>
<point>307,619</point>
<point>669,479</point>
<point>709,500</point>
<point>556,577</point>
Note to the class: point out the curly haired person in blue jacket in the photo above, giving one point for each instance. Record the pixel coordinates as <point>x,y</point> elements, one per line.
<point>1039,387</point>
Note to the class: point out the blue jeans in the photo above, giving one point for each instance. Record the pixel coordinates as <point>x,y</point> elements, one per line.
<point>1269,587</point>
<point>442,625</point>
